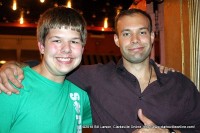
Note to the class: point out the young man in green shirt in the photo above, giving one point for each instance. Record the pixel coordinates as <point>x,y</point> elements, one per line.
<point>49,103</point>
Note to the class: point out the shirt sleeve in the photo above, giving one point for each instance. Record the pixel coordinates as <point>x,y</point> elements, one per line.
<point>87,116</point>
<point>8,110</point>
<point>192,117</point>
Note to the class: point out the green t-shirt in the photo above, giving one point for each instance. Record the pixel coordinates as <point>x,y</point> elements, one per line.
<point>44,106</point>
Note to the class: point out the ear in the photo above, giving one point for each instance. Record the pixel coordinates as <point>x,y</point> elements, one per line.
<point>116,39</point>
<point>41,47</point>
<point>152,37</point>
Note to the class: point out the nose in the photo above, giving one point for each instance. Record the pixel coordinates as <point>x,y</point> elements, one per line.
<point>134,39</point>
<point>66,48</point>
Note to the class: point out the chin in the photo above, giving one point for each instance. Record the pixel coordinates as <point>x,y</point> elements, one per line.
<point>65,70</point>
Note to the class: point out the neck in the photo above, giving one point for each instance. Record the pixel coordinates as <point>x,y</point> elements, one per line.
<point>44,72</point>
<point>142,71</point>
<point>137,69</point>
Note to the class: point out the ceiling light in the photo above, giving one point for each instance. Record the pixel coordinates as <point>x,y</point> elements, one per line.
<point>14,6</point>
<point>2,61</point>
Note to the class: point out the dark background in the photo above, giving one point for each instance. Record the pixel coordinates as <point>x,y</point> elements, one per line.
<point>94,11</point>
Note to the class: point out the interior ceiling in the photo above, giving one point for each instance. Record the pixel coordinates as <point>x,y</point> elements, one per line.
<point>94,11</point>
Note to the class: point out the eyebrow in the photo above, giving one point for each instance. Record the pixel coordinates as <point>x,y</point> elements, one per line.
<point>62,37</point>
<point>147,28</point>
<point>142,28</point>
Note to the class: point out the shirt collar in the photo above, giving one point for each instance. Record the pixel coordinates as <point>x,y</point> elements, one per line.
<point>159,75</point>
<point>120,64</point>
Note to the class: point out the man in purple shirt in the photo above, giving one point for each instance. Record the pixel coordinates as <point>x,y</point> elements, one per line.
<point>133,95</point>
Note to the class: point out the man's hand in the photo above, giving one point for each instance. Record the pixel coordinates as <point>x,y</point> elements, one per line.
<point>164,69</point>
<point>149,126</point>
<point>10,72</point>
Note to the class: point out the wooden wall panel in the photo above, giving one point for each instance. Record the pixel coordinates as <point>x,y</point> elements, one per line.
<point>176,35</point>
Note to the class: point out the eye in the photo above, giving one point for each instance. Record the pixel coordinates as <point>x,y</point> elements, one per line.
<point>126,34</point>
<point>77,41</point>
<point>57,41</point>
<point>144,32</point>
<point>74,42</point>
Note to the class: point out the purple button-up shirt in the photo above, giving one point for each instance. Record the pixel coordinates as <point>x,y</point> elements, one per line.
<point>172,101</point>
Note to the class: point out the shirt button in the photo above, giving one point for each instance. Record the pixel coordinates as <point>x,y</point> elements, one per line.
<point>140,97</point>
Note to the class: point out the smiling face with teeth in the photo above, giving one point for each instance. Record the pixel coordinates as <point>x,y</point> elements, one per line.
<point>61,35</point>
<point>62,52</point>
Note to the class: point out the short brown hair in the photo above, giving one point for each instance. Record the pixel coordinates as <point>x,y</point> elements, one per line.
<point>130,12</point>
<point>58,17</point>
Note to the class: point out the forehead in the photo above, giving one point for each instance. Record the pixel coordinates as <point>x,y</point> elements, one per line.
<point>132,22</point>
<point>64,32</point>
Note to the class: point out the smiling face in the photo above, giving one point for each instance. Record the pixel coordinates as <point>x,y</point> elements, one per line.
<point>62,52</point>
<point>134,38</point>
